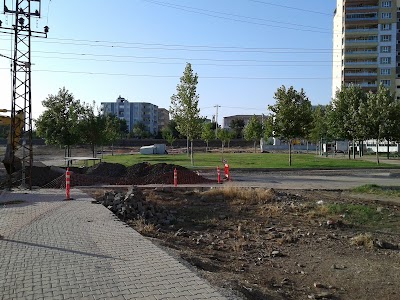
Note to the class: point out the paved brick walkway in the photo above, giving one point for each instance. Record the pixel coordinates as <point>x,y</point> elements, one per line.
<point>54,249</point>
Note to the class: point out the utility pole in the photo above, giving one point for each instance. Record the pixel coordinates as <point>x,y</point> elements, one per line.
<point>216,120</point>
<point>21,136</point>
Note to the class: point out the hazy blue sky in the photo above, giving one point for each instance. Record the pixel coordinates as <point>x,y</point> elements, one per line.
<point>242,51</point>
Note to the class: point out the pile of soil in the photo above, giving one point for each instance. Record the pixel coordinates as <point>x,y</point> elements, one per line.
<point>114,174</point>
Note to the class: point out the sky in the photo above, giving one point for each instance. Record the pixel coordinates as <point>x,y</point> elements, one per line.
<point>241,50</point>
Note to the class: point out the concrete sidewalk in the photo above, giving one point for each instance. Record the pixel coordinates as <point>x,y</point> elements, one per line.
<point>54,249</point>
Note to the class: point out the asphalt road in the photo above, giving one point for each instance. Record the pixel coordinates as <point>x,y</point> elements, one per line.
<point>311,179</point>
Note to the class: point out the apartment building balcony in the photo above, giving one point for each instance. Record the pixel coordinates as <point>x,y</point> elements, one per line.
<point>368,84</point>
<point>362,21</point>
<point>360,74</point>
<point>361,63</point>
<point>362,8</point>
<point>362,39</point>
<point>361,31</point>
<point>371,42</point>
<point>361,53</point>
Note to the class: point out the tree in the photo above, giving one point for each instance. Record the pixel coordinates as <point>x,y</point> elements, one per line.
<point>291,115</point>
<point>168,136</point>
<point>382,112</point>
<point>253,131</point>
<point>171,127</point>
<point>140,131</point>
<point>59,123</point>
<point>207,133</point>
<point>93,128</point>
<point>224,136</point>
<point>115,128</point>
<point>237,126</point>
<point>347,121</point>
<point>319,125</point>
<point>184,107</point>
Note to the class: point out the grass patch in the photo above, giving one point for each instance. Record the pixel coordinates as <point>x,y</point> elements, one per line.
<point>378,190</point>
<point>357,214</point>
<point>244,160</point>
<point>12,202</point>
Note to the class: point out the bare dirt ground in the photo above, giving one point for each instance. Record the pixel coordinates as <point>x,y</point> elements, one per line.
<point>270,244</point>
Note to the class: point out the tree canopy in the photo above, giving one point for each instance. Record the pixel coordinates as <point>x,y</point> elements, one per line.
<point>253,131</point>
<point>237,126</point>
<point>59,123</point>
<point>207,133</point>
<point>184,106</point>
<point>291,115</point>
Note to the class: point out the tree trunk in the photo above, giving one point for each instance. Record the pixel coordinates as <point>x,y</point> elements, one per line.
<point>307,147</point>
<point>222,146</point>
<point>207,147</point>
<point>334,148</point>
<point>388,153</point>
<point>354,149</point>
<point>348,149</point>
<point>93,151</point>
<point>191,153</point>
<point>255,146</point>
<point>290,152</point>
<point>187,146</point>
<point>377,152</point>
<point>112,149</point>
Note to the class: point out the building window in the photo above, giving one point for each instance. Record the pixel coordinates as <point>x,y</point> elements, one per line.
<point>386,49</point>
<point>385,82</point>
<point>386,3</point>
<point>386,38</point>
<point>385,71</point>
<point>385,60</point>
<point>386,26</point>
<point>386,15</point>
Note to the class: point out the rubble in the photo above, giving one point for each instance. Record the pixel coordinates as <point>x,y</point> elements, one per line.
<point>133,205</point>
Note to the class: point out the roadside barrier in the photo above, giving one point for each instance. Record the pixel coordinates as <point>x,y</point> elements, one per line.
<point>219,174</point>
<point>175,178</point>
<point>226,172</point>
<point>68,185</point>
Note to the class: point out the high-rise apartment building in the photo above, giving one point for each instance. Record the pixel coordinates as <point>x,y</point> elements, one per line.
<point>366,49</point>
<point>133,112</point>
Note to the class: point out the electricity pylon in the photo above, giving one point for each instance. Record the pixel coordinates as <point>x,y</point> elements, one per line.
<point>21,137</point>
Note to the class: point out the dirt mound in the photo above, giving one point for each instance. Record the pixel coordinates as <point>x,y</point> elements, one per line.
<point>107,169</point>
<point>162,173</point>
<point>114,174</point>
<point>40,176</point>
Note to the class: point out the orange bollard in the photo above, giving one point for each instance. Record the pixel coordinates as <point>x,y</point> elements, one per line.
<point>175,178</point>
<point>219,174</point>
<point>226,172</point>
<point>68,184</point>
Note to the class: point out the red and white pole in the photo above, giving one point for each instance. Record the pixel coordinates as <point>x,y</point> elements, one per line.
<point>68,184</point>
<point>175,178</point>
<point>219,174</point>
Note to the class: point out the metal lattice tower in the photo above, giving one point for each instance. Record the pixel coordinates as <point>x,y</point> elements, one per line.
<point>21,136</point>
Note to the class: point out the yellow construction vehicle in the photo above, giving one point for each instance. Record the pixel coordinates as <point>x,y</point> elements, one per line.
<point>12,164</point>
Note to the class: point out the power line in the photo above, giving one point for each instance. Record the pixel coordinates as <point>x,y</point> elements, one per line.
<point>149,47</point>
<point>172,47</point>
<point>209,13</point>
<point>291,7</point>
<point>179,63</point>
<point>176,76</point>
<point>184,59</point>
